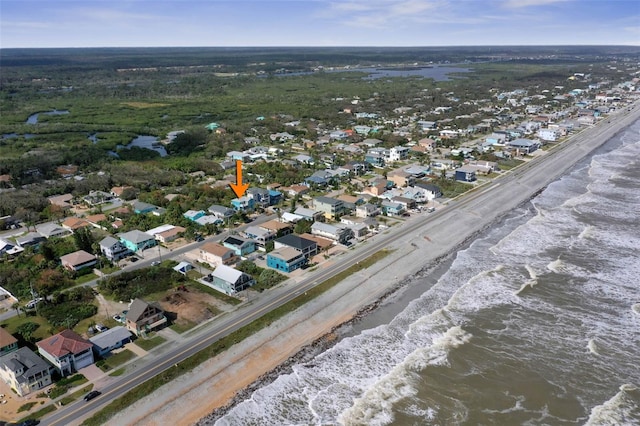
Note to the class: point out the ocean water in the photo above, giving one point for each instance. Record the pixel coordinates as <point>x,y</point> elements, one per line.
<point>536,322</point>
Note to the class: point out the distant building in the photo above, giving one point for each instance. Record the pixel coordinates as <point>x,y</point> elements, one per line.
<point>466,174</point>
<point>8,343</point>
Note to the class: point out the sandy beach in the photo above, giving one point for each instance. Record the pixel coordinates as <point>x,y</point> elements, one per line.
<point>234,374</point>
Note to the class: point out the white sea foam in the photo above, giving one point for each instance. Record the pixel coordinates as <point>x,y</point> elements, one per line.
<point>622,409</point>
<point>586,233</point>
<point>593,347</point>
<point>375,407</point>
<point>636,308</point>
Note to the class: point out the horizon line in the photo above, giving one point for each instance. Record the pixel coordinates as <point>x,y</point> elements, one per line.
<point>322,46</point>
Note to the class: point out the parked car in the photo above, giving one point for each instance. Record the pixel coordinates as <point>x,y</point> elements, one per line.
<point>117,318</point>
<point>101,328</point>
<point>29,422</point>
<point>155,263</point>
<point>91,395</point>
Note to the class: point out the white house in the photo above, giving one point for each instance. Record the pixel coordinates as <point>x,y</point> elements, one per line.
<point>66,351</point>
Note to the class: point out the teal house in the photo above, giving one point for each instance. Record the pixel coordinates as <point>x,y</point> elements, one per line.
<point>137,240</point>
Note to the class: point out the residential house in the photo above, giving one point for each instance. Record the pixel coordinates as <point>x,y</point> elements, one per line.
<point>8,343</point>
<point>143,317</point>
<point>95,198</point>
<point>391,208</point>
<point>243,204</point>
<point>137,240</point>
<point>183,267</point>
<point>428,144</point>
<point>330,207</point>
<point>286,217</point>
<point>113,338</point>
<point>367,210</point>
<point>260,196</point>
<point>50,230</point>
<point>30,239</point>
<point>67,351</point>
<point>95,220</point>
<point>193,215</point>
<point>113,249</point>
<point>75,223</point>
<point>401,178</point>
<point>338,233</point>
<point>24,371</point>
<point>171,234</point>
<point>117,191</point>
<point>309,214</point>
<point>78,260</point>
<point>376,159</point>
<point>466,174</point>
<point>350,202</point>
<point>230,280</point>
<point>274,197</point>
<point>63,200</point>
<point>303,159</point>
<point>286,259</point>
<point>407,203</point>
<point>550,135</point>
<point>307,247</point>
<point>323,243</point>
<point>6,247</point>
<point>294,190</point>
<point>221,212</point>
<point>432,191</point>
<point>215,254</point>
<point>260,235</point>
<point>524,146</point>
<point>239,245</point>
<point>140,207</point>
<point>236,155</point>
<point>398,153</point>
<point>279,228</point>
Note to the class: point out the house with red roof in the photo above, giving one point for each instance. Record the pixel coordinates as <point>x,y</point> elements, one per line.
<point>67,351</point>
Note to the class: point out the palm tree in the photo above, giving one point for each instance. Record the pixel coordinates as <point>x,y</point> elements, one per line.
<point>16,306</point>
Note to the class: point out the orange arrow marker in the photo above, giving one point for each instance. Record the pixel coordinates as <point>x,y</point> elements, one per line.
<point>239,188</point>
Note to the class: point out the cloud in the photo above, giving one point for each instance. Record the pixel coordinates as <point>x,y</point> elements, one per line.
<point>513,4</point>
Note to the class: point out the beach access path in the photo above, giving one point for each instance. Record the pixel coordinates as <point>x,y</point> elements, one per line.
<point>419,242</point>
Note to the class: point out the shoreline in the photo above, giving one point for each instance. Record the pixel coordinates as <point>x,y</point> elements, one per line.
<point>211,390</point>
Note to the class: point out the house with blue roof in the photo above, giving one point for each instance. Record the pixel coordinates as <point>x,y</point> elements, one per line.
<point>392,208</point>
<point>194,215</point>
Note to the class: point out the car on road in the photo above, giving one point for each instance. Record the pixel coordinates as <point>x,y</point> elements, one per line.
<point>29,422</point>
<point>91,395</point>
<point>134,259</point>
<point>431,209</point>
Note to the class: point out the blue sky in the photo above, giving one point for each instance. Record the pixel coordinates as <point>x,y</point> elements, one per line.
<point>115,23</point>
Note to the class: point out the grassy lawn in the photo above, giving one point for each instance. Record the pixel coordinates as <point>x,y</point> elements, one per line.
<point>182,326</point>
<point>215,293</point>
<point>85,278</point>
<point>63,385</point>
<point>42,332</point>
<point>76,395</point>
<point>40,413</point>
<point>118,372</point>
<point>115,360</point>
<point>221,345</point>
<point>148,344</point>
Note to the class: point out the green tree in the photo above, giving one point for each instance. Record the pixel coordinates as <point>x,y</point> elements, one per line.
<point>303,226</point>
